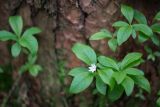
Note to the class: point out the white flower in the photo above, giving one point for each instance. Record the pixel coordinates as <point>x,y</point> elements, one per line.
<point>92,68</point>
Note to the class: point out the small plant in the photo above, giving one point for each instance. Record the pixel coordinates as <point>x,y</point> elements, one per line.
<point>23,42</point>
<point>113,77</point>
<point>126,29</point>
<point>152,55</point>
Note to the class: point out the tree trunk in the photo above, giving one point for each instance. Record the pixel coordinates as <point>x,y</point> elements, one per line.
<point>64,22</point>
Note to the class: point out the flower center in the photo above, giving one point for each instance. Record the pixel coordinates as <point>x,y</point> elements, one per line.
<point>92,68</point>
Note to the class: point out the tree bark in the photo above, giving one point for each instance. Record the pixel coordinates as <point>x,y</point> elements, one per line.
<point>64,22</point>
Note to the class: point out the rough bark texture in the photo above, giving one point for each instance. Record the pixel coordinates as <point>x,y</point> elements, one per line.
<point>63,23</point>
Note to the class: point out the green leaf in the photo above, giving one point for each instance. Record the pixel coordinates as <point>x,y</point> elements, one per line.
<point>112,43</point>
<point>16,24</point>
<point>123,34</point>
<point>81,82</point>
<point>139,17</point>
<point>158,93</point>
<point>128,85</point>
<point>151,57</point>
<point>85,53</point>
<point>25,67</point>
<point>158,102</point>
<point>112,84</point>
<point>104,33</point>
<point>100,85</point>
<point>142,37</point>
<point>31,31</point>
<point>77,71</point>
<point>143,28</point>
<point>116,93</point>
<point>155,40</point>
<point>106,75</point>
<point>1,70</point>
<point>5,35</point>
<point>148,50</point>
<point>129,60</point>
<point>128,12</point>
<point>134,34</point>
<point>156,27</point>
<point>29,64</point>
<point>15,50</point>
<point>157,54</point>
<point>133,71</point>
<point>142,82</point>
<point>32,59</point>
<point>120,24</point>
<point>100,66</point>
<point>119,76</point>
<point>157,16</point>
<point>108,62</point>
<point>29,42</point>
<point>34,70</point>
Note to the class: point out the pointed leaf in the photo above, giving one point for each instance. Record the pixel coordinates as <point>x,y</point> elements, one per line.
<point>123,34</point>
<point>5,35</point>
<point>142,37</point>
<point>100,85</point>
<point>139,17</point>
<point>116,93</point>
<point>134,34</point>
<point>112,43</point>
<point>81,82</point>
<point>128,12</point>
<point>156,27</point>
<point>128,85</point>
<point>106,75</point>
<point>120,24</point>
<point>143,28</point>
<point>29,42</point>
<point>31,31</point>
<point>142,82</point>
<point>133,71</point>
<point>85,53</point>
<point>157,16</point>
<point>77,71</point>
<point>119,76</point>
<point>100,66</point>
<point>108,62</point>
<point>104,33</point>
<point>129,59</point>
<point>16,24</point>
<point>155,40</point>
<point>15,50</point>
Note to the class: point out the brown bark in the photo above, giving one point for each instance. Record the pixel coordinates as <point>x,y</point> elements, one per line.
<point>63,23</point>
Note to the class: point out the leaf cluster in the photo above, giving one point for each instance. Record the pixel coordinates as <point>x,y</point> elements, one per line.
<point>112,77</point>
<point>22,41</point>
